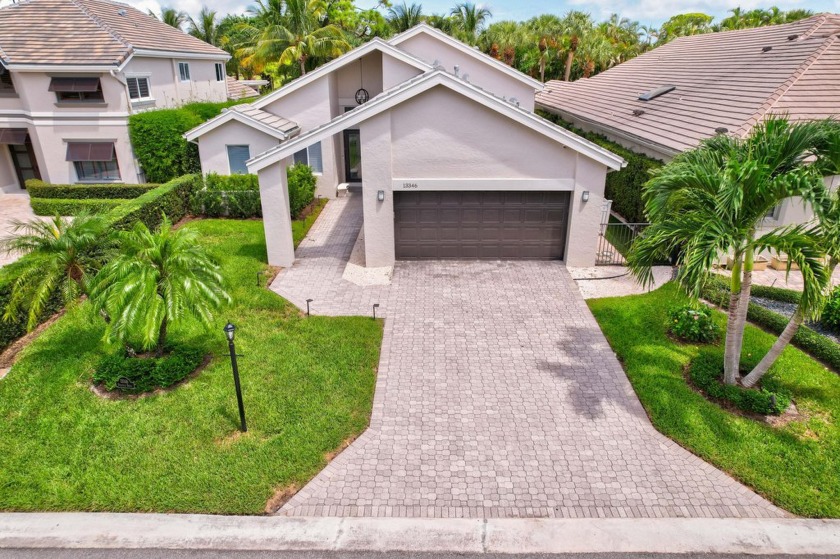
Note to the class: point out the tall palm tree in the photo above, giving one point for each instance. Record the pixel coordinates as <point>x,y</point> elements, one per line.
<point>172,17</point>
<point>402,17</point>
<point>296,35</point>
<point>206,27</point>
<point>576,25</point>
<point>156,280</point>
<point>711,202</point>
<point>470,19</point>
<point>61,256</point>
<point>827,235</point>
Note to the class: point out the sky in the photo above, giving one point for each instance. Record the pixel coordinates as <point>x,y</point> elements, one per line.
<point>647,12</point>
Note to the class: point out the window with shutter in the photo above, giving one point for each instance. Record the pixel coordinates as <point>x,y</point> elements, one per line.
<point>237,156</point>
<point>220,72</point>
<point>184,70</point>
<point>138,88</point>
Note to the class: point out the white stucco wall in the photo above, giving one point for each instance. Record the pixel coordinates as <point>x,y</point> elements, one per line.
<point>365,72</point>
<point>8,178</point>
<point>481,73</point>
<point>395,72</point>
<point>166,86</point>
<point>212,146</point>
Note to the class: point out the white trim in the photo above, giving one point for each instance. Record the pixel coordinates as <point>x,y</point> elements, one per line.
<point>229,114</point>
<point>222,55</point>
<point>519,185</point>
<point>374,44</point>
<point>227,153</point>
<point>466,49</point>
<point>417,86</point>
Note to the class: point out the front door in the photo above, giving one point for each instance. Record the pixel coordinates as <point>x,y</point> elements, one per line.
<point>352,156</point>
<point>23,158</point>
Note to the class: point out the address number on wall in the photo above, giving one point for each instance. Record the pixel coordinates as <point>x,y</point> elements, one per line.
<point>410,185</point>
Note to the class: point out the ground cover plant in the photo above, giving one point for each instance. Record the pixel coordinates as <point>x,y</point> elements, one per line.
<point>307,384</point>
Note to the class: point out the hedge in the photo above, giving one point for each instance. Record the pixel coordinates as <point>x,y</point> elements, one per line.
<point>171,199</point>
<point>623,187</point>
<point>301,187</point>
<point>159,145</point>
<point>40,189</point>
<point>806,339</point>
<point>58,206</point>
<point>127,374</point>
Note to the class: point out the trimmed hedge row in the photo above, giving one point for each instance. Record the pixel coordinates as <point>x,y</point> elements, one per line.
<point>40,189</point>
<point>172,199</point>
<point>623,187</point>
<point>51,206</point>
<point>806,339</point>
<point>707,370</point>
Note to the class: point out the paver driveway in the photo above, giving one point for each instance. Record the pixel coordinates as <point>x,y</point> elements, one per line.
<point>497,395</point>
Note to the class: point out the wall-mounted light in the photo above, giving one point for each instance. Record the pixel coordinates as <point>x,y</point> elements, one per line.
<point>585,196</point>
<point>380,195</point>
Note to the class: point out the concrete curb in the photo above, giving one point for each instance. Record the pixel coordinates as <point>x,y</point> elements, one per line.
<point>675,535</point>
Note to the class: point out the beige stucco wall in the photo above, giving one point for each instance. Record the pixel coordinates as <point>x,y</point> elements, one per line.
<point>416,141</point>
<point>365,72</point>
<point>395,72</point>
<point>212,146</point>
<point>168,90</point>
<point>482,74</point>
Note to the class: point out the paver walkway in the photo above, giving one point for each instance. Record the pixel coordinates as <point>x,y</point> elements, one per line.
<point>12,207</point>
<point>497,396</point>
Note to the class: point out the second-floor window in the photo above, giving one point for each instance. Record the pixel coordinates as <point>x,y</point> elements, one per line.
<point>6,84</point>
<point>138,88</point>
<point>184,71</point>
<point>220,72</point>
<point>77,90</point>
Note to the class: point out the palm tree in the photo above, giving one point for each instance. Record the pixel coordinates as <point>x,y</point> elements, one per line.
<point>61,256</point>
<point>403,17</point>
<point>296,36</point>
<point>575,26</point>
<point>711,202</point>
<point>827,234</point>
<point>172,17</point>
<point>470,19</point>
<point>157,279</point>
<point>206,27</point>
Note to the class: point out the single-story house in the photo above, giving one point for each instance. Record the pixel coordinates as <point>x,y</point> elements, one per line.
<point>443,141</point>
<point>668,100</point>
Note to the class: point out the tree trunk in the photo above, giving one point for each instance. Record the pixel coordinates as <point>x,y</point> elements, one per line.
<point>569,58</point>
<point>302,63</point>
<point>161,338</point>
<point>743,309</point>
<point>778,346</point>
<point>730,355</point>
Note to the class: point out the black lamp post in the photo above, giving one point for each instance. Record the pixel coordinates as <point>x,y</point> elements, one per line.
<point>230,330</point>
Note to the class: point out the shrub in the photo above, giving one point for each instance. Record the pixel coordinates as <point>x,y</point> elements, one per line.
<point>825,349</point>
<point>301,187</point>
<point>11,330</point>
<point>623,187</point>
<point>831,313</point>
<point>236,196</point>
<point>57,206</point>
<point>40,189</point>
<point>707,370</point>
<point>144,373</point>
<point>171,199</point>
<point>157,138</point>
<point>693,324</point>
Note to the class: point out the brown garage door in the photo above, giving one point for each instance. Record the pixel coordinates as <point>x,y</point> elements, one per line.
<point>480,225</point>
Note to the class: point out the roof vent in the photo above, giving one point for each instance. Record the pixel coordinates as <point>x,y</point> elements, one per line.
<point>654,93</point>
<point>466,77</point>
<point>793,37</point>
<point>457,71</point>
<point>766,49</point>
<point>638,112</point>
<point>721,130</point>
<point>122,13</point>
<point>514,101</point>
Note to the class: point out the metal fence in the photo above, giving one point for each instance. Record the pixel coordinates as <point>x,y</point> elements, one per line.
<point>614,242</point>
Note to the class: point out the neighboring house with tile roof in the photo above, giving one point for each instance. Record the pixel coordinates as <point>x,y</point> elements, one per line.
<point>443,144</point>
<point>703,85</point>
<point>73,71</point>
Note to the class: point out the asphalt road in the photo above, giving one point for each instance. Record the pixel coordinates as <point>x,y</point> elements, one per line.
<point>195,554</point>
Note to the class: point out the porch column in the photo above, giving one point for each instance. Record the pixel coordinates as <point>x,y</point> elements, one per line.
<point>277,221</point>
<point>376,176</point>
<point>585,217</point>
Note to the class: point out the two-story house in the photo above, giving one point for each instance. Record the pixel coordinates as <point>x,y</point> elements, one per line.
<point>443,143</point>
<point>71,73</point>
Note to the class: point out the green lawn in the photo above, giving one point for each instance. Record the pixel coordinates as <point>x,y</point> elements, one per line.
<point>796,466</point>
<point>307,383</point>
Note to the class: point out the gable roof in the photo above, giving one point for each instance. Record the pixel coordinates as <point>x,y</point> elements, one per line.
<point>89,33</point>
<point>237,90</point>
<point>731,80</point>
<point>375,44</point>
<point>247,114</point>
<point>411,88</point>
<point>426,29</point>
